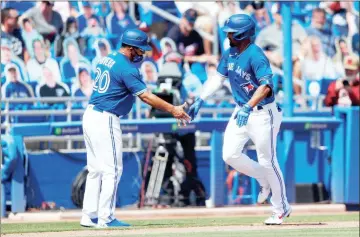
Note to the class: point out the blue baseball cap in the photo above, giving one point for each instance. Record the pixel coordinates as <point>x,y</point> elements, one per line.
<point>81,69</point>
<point>190,15</point>
<point>86,4</point>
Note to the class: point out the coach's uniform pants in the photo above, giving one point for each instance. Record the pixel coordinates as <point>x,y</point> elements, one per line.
<point>103,142</point>
<point>262,128</point>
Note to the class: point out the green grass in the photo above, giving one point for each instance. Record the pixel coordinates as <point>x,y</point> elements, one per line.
<point>340,232</point>
<point>191,222</point>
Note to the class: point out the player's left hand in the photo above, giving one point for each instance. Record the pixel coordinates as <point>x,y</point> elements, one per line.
<point>242,115</point>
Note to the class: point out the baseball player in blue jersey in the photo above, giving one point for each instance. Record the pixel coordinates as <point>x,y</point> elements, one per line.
<point>118,81</point>
<point>256,116</point>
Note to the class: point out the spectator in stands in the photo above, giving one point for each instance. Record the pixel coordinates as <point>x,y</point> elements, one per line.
<point>50,87</point>
<point>93,30</point>
<point>8,57</point>
<point>29,34</point>
<point>14,86</point>
<point>342,50</point>
<point>227,9</point>
<point>118,20</point>
<point>70,61</point>
<point>207,11</point>
<point>46,21</point>
<point>189,42</point>
<point>102,48</point>
<point>316,65</point>
<point>71,30</point>
<point>270,39</point>
<point>41,58</point>
<point>150,75</point>
<point>84,86</point>
<point>318,28</point>
<point>346,90</point>
<point>101,9</point>
<point>11,31</point>
<point>83,19</point>
<point>260,15</point>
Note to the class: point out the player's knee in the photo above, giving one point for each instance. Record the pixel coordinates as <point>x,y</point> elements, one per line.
<point>94,174</point>
<point>227,155</point>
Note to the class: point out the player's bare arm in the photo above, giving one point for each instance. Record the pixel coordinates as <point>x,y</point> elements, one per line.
<point>177,111</point>
<point>261,93</point>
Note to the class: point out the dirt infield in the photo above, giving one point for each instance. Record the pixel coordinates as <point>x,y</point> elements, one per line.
<point>207,229</point>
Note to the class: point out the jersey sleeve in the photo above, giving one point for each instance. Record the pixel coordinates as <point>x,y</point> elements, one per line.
<point>133,81</point>
<point>262,70</point>
<point>222,68</point>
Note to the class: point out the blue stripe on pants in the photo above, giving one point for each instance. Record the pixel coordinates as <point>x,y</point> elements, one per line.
<point>272,159</point>
<point>115,164</point>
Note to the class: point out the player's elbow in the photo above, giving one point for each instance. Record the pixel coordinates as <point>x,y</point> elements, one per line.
<point>145,96</point>
<point>267,91</point>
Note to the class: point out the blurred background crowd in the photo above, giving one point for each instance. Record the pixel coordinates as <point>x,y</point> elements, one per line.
<point>50,49</point>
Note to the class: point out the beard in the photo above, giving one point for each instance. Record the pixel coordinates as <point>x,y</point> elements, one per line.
<point>232,44</point>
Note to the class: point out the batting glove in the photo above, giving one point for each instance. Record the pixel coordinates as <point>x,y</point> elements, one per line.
<point>195,107</point>
<point>242,115</point>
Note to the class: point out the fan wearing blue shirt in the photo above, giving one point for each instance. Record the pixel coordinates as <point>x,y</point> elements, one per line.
<point>116,85</point>
<point>256,116</point>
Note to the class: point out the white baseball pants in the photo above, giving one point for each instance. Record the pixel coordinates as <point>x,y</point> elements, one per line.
<point>103,142</point>
<point>262,128</point>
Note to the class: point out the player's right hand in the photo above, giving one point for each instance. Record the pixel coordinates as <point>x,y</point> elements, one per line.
<point>179,113</point>
<point>195,107</point>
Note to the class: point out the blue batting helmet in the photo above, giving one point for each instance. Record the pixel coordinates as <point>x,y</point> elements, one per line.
<point>136,38</point>
<point>241,25</point>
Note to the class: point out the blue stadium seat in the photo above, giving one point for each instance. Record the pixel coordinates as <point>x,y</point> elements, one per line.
<point>21,6</point>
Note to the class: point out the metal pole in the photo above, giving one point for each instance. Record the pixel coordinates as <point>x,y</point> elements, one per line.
<point>288,79</point>
<point>132,10</point>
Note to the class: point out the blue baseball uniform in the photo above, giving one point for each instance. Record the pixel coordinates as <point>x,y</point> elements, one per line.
<point>117,82</point>
<point>247,71</point>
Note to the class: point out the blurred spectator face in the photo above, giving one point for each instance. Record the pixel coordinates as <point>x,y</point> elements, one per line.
<point>72,53</point>
<point>46,6</point>
<point>13,74</point>
<point>48,77</point>
<point>119,7</point>
<point>103,50</point>
<point>186,27</point>
<point>318,19</point>
<point>92,22</point>
<point>84,78</point>
<point>39,51</point>
<point>278,19</point>
<point>343,47</point>
<point>5,54</point>
<point>351,66</point>
<point>149,72</point>
<point>316,45</point>
<point>87,11</point>
<point>28,26</point>
<point>10,20</point>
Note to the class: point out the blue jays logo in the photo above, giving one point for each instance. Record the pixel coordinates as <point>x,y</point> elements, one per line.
<point>247,87</point>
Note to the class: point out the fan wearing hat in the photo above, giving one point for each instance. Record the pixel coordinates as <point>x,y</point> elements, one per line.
<point>189,42</point>
<point>346,91</point>
<point>14,86</point>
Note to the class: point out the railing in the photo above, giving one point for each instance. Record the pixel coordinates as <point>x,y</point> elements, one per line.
<point>131,142</point>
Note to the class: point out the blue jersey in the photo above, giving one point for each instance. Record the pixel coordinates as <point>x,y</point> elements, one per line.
<point>116,84</point>
<point>246,72</point>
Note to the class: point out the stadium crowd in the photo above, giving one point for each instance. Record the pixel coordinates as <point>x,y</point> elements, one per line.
<point>50,49</point>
